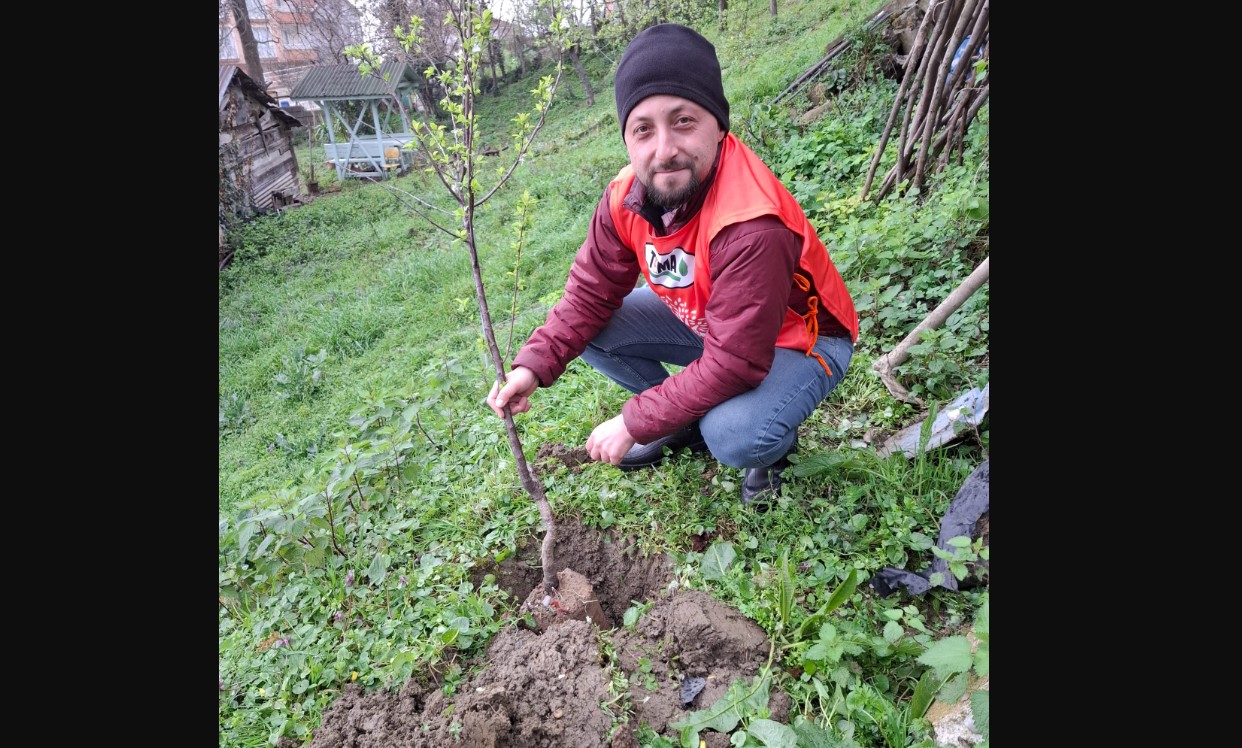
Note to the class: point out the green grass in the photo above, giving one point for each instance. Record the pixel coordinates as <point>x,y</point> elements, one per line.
<point>352,376</point>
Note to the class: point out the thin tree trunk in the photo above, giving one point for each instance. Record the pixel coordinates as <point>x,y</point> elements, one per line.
<point>722,7</point>
<point>938,12</point>
<point>529,482</point>
<point>977,34</point>
<point>582,76</point>
<point>911,62</point>
<point>942,73</point>
<point>772,7</point>
<point>931,62</point>
<point>250,48</point>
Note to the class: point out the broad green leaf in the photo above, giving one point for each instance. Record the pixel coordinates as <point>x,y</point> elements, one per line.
<point>948,656</point>
<point>981,620</point>
<point>773,734</point>
<point>277,730</point>
<point>818,652</point>
<point>631,617</point>
<point>811,735</point>
<point>376,570</point>
<point>981,659</point>
<point>717,560</point>
<point>953,690</point>
<point>920,542</point>
<point>980,709</point>
<point>893,614</point>
<point>263,546</point>
<point>924,692</point>
<point>841,593</point>
<point>244,533</point>
<point>689,737</point>
<point>757,698</point>
<point>787,592</point>
<point>828,633</point>
<point>893,631</point>
<point>725,714</point>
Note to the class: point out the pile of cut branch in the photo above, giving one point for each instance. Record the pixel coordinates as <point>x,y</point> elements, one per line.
<point>936,106</point>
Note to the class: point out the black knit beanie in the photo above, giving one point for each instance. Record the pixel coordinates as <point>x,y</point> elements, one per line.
<point>673,60</point>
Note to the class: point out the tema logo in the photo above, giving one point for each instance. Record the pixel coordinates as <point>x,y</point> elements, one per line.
<point>673,270</point>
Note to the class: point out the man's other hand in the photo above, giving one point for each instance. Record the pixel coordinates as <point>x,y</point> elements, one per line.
<point>610,441</point>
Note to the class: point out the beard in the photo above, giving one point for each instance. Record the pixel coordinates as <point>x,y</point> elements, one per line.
<point>672,198</point>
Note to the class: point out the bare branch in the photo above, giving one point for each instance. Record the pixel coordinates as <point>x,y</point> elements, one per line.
<point>517,159</point>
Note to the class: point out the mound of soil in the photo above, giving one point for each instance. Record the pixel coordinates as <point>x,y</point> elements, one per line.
<point>554,685</point>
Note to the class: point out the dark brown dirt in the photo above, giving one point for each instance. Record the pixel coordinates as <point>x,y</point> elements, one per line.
<point>574,599</point>
<point>557,688</point>
<point>571,457</point>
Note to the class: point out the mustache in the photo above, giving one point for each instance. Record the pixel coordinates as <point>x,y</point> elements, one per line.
<point>671,166</point>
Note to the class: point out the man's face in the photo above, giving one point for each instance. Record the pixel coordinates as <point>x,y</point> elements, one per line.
<point>672,145</point>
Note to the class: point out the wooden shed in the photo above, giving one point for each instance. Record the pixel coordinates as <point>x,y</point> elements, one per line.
<point>258,168</point>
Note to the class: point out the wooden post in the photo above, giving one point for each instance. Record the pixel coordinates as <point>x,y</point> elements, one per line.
<point>885,364</point>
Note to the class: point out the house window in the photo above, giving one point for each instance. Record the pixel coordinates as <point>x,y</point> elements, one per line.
<point>228,48</point>
<point>255,9</point>
<point>267,47</point>
<point>285,6</point>
<point>293,37</point>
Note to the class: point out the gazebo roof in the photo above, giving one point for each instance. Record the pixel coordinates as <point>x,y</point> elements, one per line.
<point>345,82</point>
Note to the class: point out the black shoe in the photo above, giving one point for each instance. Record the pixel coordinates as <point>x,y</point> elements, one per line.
<point>763,484</point>
<point>652,453</point>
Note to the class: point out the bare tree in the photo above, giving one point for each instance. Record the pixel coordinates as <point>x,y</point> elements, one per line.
<point>226,21</point>
<point>452,154</point>
<point>325,26</point>
<point>439,40</point>
<point>250,48</point>
<point>587,91</point>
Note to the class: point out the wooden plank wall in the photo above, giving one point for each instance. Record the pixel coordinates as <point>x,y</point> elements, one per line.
<point>264,149</point>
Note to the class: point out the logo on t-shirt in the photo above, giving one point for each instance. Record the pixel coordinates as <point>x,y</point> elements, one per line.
<point>672,270</point>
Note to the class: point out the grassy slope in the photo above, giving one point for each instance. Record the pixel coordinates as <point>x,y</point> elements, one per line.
<point>390,300</point>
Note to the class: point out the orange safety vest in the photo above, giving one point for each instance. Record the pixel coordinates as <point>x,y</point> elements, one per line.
<point>677,266</point>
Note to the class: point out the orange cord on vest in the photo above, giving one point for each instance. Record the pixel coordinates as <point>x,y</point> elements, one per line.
<point>811,318</point>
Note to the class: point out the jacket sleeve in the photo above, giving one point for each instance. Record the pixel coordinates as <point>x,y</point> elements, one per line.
<point>603,272</point>
<point>752,267</point>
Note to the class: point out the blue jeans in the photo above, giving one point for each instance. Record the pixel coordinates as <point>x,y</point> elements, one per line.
<point>753,429</point>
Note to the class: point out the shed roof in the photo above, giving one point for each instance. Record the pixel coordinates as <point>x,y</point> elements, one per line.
<point>230,74</point>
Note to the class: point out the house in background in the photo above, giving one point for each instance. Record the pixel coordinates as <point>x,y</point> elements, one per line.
<point>292,36</point>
